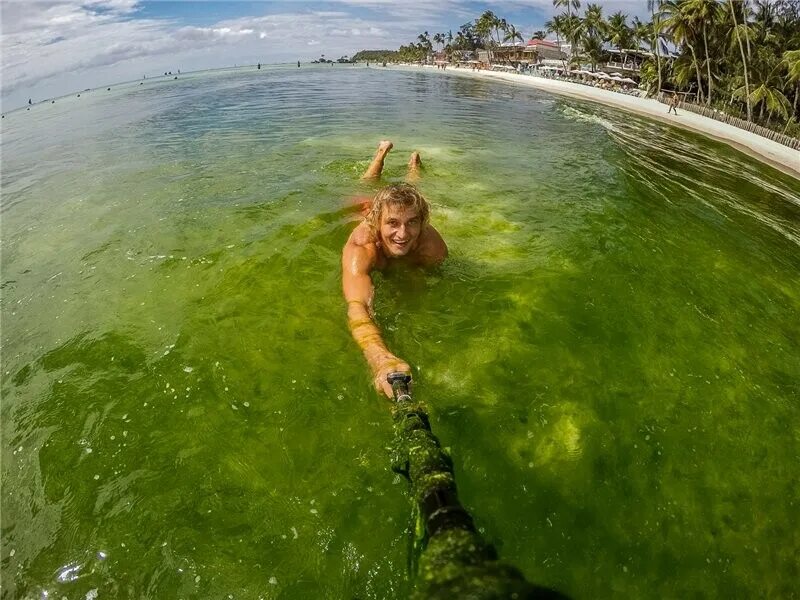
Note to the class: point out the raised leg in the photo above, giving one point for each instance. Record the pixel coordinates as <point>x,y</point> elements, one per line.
<point>376,166</point>
<point>414,164</point>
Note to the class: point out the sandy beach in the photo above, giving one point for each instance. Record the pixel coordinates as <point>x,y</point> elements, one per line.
<point>777,155</point>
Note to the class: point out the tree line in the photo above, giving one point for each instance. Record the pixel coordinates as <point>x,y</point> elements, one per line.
<point>738,56</point>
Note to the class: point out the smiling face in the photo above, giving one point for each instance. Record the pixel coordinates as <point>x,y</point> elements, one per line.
<point>400,227</point>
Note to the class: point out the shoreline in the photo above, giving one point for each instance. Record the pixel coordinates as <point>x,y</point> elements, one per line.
<point>772,153</point>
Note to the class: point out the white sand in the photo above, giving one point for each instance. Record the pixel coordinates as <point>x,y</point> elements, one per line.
<point>779,156</point>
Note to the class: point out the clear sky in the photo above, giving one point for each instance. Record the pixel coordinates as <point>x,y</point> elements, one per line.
<point>52,48</point>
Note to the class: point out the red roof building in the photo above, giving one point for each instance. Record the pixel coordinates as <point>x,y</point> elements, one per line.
<point>545,49</point>
<point>543,43</point>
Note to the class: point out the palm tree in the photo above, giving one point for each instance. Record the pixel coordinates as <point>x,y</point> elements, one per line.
<point>791,58</point>
<point>484,26</point>
<point>557,25</point>
<point>767,94</point>
<point>680,26</point>
<point>593,50</point>
<point>703,12</point>
<point>425,43</point>
<point>569,5</point>
<point>573,32</point>
<point>539,34</point>
<point>467,37</point>
<point>655,45</point>
<point>500,26</point>
<point>640,32</point>
<point>438,38</point>
<point>746,12</point>
<point>618,32</point>
<point>744,62</point>
<point>554,25</point>
<point>512,35</point>
<point>593,28</point>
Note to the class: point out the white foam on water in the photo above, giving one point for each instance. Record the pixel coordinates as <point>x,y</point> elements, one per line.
<point>574,114</point>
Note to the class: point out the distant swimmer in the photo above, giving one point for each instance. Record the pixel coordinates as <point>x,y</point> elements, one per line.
<point>259,66</point>
<point>298,64</point>
<point>29,101</point>
<point>395,229</point>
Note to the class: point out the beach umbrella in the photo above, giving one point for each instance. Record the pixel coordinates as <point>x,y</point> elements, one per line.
<point>616,78</point>
<point>602,75</point>
<point>628,80</point>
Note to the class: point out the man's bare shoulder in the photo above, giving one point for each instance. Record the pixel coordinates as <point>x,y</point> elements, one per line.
<point>432,247</point>
<point>362,235</point>
<point>360,252</point>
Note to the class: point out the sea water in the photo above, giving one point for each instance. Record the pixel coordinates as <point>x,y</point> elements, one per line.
<point>610,352</point>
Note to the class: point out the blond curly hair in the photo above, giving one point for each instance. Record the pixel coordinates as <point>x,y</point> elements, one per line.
<point>403,194</point>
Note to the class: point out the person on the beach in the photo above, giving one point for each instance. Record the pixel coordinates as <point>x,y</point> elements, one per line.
<point>395,228</point>
<point>673,104</point>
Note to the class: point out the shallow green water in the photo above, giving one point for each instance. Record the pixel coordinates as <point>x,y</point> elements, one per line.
<point>610,352</point>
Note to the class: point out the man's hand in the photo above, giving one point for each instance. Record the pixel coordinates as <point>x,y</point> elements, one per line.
<point>388,364</point>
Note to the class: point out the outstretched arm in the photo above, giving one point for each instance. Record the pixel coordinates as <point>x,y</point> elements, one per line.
<point>357,262</point>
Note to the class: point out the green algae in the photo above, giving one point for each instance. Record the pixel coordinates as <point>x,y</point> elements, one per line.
<point>609,353</point>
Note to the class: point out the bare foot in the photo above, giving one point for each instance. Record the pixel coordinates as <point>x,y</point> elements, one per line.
<point>414,164</point>
<point>384,146</point>
<point>376,166</point>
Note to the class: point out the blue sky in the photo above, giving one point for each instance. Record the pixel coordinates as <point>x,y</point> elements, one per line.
<point>54,47</point>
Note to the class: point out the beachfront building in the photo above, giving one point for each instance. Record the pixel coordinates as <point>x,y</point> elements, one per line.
<point>625,62</point>
<point>545,50</point>
<point>534,53</point>
<point>510,52</point>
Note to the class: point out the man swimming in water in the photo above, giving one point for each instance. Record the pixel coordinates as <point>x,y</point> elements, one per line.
<point>395,228</point>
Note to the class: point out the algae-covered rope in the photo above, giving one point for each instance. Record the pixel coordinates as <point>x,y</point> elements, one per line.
<point>456,562</point>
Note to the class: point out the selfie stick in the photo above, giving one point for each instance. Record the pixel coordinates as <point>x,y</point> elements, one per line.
<point>456,562</point>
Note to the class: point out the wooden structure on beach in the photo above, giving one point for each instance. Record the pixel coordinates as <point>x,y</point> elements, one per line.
<point>626,62</point>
